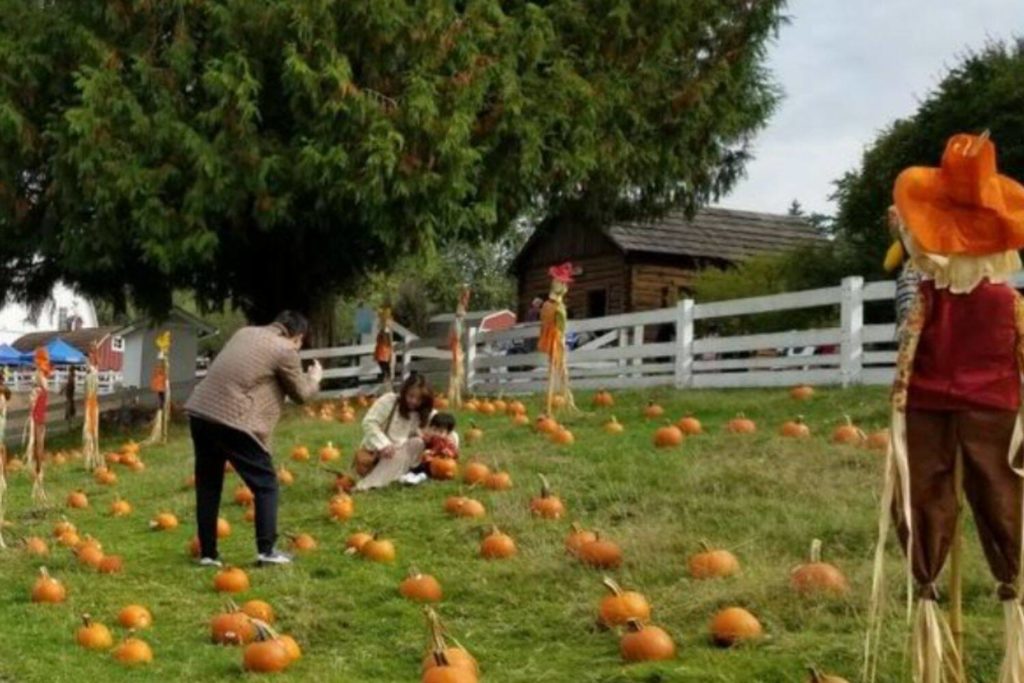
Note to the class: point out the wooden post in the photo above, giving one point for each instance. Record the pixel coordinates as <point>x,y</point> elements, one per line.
<point>470,357</point>
<point>852,336</point>
<point>684,343</point>
<point>623,343</point>
<point>638,340</point>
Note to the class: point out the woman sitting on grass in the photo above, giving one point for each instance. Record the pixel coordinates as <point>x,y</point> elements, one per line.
<point>392,443</point>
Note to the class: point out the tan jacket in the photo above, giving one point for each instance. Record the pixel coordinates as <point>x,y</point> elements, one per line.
<point>248,381</point>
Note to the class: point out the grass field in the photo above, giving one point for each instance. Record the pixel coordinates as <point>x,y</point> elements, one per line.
<point>530,618</point>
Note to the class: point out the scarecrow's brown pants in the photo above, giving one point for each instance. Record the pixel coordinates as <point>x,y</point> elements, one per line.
<point>993,490</point>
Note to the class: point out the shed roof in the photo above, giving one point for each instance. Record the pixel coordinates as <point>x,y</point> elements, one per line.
<point>80,339</point>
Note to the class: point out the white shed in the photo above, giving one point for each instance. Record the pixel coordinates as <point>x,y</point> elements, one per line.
<point>139,342</point>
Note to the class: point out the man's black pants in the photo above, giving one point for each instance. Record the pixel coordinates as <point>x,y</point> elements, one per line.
<point>214,445</point>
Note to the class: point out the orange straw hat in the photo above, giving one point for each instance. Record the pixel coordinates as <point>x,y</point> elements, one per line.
<point>965,206</point>
<point>42,360</point>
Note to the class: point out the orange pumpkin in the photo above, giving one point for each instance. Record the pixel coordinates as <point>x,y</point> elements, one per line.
<point>104,476</point>
<point>223,528</point>
<point>474,433</point>
<point>440,403</point>
<point>355,542</point>
<point>485,407</point>
<point>516,408</point>
<point>795,429</point>
<point>497,545</point>
<point>879,441</point>
<point>329,453</point>
<point>47,589</point>
<point>258,609</point>
<point>133,652</point>
<point>690,426</point>
<point>135,617</point>
<point>475,473</point>
<point>303,543</point>
<point>120,508</point>
<point>603,399</point>
<point>89,555</point>
<point>817,577</point>
<point>601,553</point>
<point>546,505</point>
<point>300,454</point>
<point>62,527</point>
<point>563,437</point>
<point>231,580</point>
<point>546,425</point>
<point>341,507</point>
<point>34,545</point>
<point>93,635</point>
<point>848,434</point>
<point>443,469</point>
<point>712,564</point>
<point>653,411</point>
<point>499,405</point>
<point>243,496</point>
<point>577,537</point>
<point>285,477</point>
<point>741,425</point>
<point>521,419</point>
<point>734,625</point>
<point>232,626</point>
<point>459,506</point>
<point>444,663</point>
<point>111,564</point>
<point>621,607</point>
<point>77,500</point>
<point>668,436</point>
<point>613,426</point>
<point>268,653</point>
<point>498,481</point>
<point>164,521</point>
<point>642,643</point>
<point>379,550</point>
<point>420,587</point>
<point>802,393</point>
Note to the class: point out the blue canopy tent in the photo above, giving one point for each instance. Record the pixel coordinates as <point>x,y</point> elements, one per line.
<point>62,353</point>
<point>11,356</point>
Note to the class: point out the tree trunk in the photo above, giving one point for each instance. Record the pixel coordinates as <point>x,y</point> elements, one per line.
<point>322,322</point>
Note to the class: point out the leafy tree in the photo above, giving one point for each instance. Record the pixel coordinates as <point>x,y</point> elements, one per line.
<point>986,90</point>
<point>270,154</point>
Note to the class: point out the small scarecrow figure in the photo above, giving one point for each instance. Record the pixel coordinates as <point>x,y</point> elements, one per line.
<point>38,402</point>
<point>457,374</point>
<point>161,385</point>
<point>384,350</point>
<point>91,427</point>
<point>553,320</point>
<point>5,396</point>
<point>956,402</point>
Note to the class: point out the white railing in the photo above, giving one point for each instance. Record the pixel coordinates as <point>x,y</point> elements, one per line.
<point>665,347</point>
<point>21,380</point>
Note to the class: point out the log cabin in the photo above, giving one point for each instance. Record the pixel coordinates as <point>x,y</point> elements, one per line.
<point>644,265</point>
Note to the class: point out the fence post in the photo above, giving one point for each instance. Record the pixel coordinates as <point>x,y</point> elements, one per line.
<point>852,324</point>
<point>470,358</point>
<point>623,343</point>
<point>684,343</point>
<point>638,340</point>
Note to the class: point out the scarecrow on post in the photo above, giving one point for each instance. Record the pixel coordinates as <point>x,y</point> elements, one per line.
<point>161,385</point>
<point>38,401</point>
<point>457,374</point>
<point>91,427</point>
<point>553,321</point>
<point>384,349</point>
<point>5,396</point>
<point>956,403</point>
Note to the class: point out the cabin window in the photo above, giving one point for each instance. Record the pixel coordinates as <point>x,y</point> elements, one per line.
<point>597,303</point>
<point>117,344</point>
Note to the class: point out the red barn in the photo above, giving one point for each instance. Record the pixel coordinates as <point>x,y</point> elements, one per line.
<point>110,347</point>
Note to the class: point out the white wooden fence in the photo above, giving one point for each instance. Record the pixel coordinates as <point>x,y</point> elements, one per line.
<point>21,380</point>
<point>661,348</point>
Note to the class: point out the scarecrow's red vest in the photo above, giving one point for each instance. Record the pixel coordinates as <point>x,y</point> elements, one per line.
<point>966,358</point>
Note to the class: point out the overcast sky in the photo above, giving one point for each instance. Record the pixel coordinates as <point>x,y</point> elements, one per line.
<point>848,68</point>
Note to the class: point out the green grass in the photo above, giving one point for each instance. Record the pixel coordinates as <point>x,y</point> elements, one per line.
<point>530,618</point>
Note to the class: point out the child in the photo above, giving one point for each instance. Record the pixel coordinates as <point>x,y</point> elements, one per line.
<point>440,441</point>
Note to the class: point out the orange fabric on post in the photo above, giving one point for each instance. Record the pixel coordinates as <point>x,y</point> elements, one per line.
<point>550,339</point>
<point>159,381</point>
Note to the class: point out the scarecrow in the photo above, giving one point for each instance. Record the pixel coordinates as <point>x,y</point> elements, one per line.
<point>5,396</point>
<point>160,383</point>
<point>91,427</point>
<point>384,350</point>
<point>956,403</point>
<point>457,374</point>
<point>553,319</point>
<point>38,401</point>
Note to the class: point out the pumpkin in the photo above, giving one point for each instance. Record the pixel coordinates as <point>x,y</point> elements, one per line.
<point>734,625</point>
<point>603,399</point>
<point>341,507</point>
<point>243,496</point>
<point>356,541</point>
<point>802,392</point>
<point>303,543</point>
<point>13,466</point>
<point>817,577</point>
<point>546,505</point>
<point>69,539</point>
<point>128,459</point>
<point>164,521</point>
<point>601,553</point>
<point>34,545</point>
<point>474,433</point>
<point>558,401</point>
<point>471,406</point>
<point>741,425</point>
<point>223,528</point>
<point>300,454</point>
<point>77,500</point>
<point>500,406</point>
<point>516,408</point>
<point>137,466</point>
<point>485,407</point>
<point>440,403</point>
<point>444,663</point>
<point>88,542</point>
<point>690,426</point>
<point>459,506</point>
<point>577,537</point>
<point>135,617</point>
<point>814,676</point>
<point>232,626</point>
<point>712,564</point>
<point>285,477</point>
<point>443,469</point>
<point>475,473</point>
<point>420,587</point>
<point>379,550</point>
<point>498,481</point>
<point>348,416</point>
<point>497,546</point>
<point>59,458</point>
<point>879,441</point>
<point>194,547</point>
<point>133,651</point>
<point>521,420</point>
<point>104,476</point>
<point>848,434</point>
<point>268,653</point>
<point>563,437</point>
<point>258,609</point>
<point>668,436</point>
<point>120,508</point>
<point>48,589</point>
<point>795,429</point>
<point>613,426</point>
<point>642,643</point>
<point>291,647</point>
<point>250,514</point>
<point>343,482</point>
<point>653,411</point>
<point>93,635</point>
<point>62,527</point>
<point>131,447</point>
<point>110,564</point>
<point>621,606</point>
<point>329,453</point>
<point>231,580</point>
<point>546,425</point>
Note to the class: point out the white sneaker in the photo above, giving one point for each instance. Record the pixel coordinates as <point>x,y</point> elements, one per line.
<point>422,477</point>
<point>210,562</point>
<point>409,479</point>
<point>275,557</point>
